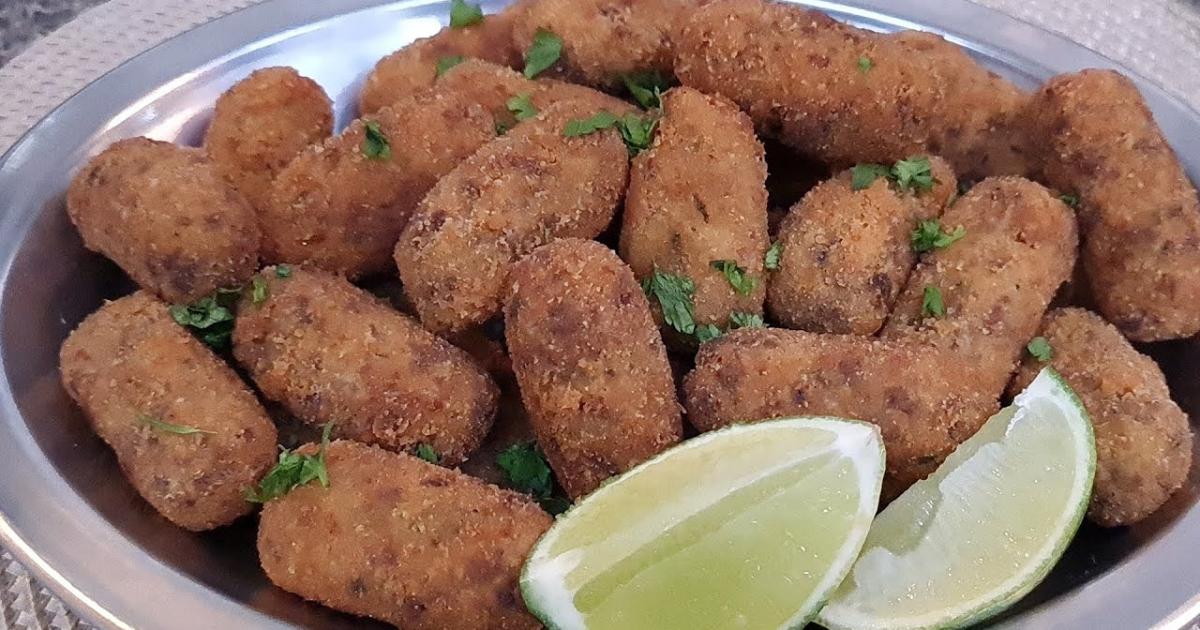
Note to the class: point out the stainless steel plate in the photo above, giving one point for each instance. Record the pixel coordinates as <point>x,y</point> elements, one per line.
<point>65,509</point>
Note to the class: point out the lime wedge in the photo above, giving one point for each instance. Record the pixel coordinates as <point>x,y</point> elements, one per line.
<point>985,528</point>
<point>746,527</point>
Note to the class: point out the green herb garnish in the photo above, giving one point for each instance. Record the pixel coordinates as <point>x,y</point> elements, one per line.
<point>863,175</point>
<point>445,63</point>
<point>636,131</point>
<point>292,471</point>
<point>1071,200</point>
<point>865,64</point>
<point>525,470</point>
<point>646,87</point>
<point>914,173</point>
<point>259,291</point>
<point>210,318</point>
<point>584,126</point>
<point>745,320</point>
<point>707,332</point>
<point>375,145</point>
<point>522,107</point>
<point>463,15</point>
<point>502,128</point>
<point>674,294</point>
<point>1039,348</point>
<point>738,278</point>
<point>426,452</point>
<point>929,236</point>
<point>283,271</point>
<point>773,256</point>
<point>543,52</point>
<point>932,304</point>
<point>166,427</point>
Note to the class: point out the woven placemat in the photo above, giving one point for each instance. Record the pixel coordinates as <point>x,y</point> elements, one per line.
<point>1159,39</point>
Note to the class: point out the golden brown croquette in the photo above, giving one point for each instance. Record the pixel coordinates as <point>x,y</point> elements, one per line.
<point>403,541</point>
<point>592,368</point>
<point>166,217</point>
<point>331,352</point>
<point>188,434</point>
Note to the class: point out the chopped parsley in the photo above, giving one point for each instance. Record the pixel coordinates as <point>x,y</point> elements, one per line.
<point>603,119</point>
<point>525,470</point>
<point>646,88</point>
<point>1071,200</point>
<point>741,281</point>
<point>292,471</point>
<point>283,271</point>
<point>674,295</point>
<point>375,145</point>
<point>863,175</point>
<point>636,131</point>
<point>463,15</point>
<point>522,107</point>
<point>774,254</point>
<point>543,52</point>
<point>929,236</point>
<point>259,290</point>
<point>745,320</point>
<point>914,173</point>
<point>1039,348</point>
<point>707,332</point>
<point>445,63</point>
<point>931,302</point>
<point>426,452</point>
<point>865,64</point>
<point>210,318</point>
<point>166,427</point>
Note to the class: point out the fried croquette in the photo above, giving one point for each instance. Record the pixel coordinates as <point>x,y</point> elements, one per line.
<point>341,205</point>
<point>697,199</point>
<point>1139,215</point>
<point>843,95</point>
<point>604,40</point>
<point>520,191</point>
<point>331,352</point>
<point>1143,441</point>
<point>166,217</point>
<point>188,434</point>
<point>923,398</point>
<point>403,541</point>
<point>984,295</point>
<point>412,69</point>
<point>261,123</point>
<point>845,254</point>
<point>589,360</point>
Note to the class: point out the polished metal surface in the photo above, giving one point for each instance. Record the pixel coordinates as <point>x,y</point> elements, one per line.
<point>68,514</point>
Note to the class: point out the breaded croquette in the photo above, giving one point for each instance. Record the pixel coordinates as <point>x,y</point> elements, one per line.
<point>697,199</point>
<point>592,368</point>
<point>844,95</point>
<point>845,254</point>
<point>261,123</point>
<point>518,192</point>
<point>1143,442</point>
<point>924,399</point>
<point>188,433</point>
<point>341,205</point>
<point>1139,215</point>
<point>166,217</point>
<point>331,352</point>
<point>412,69</point>
<point>604,40</point>
<point>983,296</point>
<point>404,541</point>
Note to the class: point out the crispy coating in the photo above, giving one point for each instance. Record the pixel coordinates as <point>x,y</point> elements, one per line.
<point>521,191</point>
<point>1140,217</point>
<point>996,281</point>
<point>680,215</point>
<point>404,541</point>
<point>491,86</point>
<point>261,123</point>
<point>165,216</point>
<point>797,73</point>
<point>331,352</point>
<point>923,398</point>
<point>338,209</point>
<point>1143,441</point>
<point>592,368</point>
<point>604,39</point>
<point>846,253</point>
<point>412,69</point>
<point>128,364</point>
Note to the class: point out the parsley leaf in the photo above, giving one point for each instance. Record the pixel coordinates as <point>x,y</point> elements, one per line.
<point>745,320</point>
<point>863,175</point>
<point>543,52</point>
<point>166,427</point>
<point>931,302</point>
<point>741,281</point>
<point>426,452</point>
<point>210,317</point>
<point>283,271</point>
<point>1039,348</point>
<point>646,87</point>
<point>463,15</point>
<point>707,332</point>
<point>525,470</point>
<point>772,258</point>
<point>915,173</point>
<point>929,236</point>
<point>375,145</point>
<point>674,294</point>
<point>445,63</point>
<point>603,119</point>
<point>1072,201</point>
<point>637,132</point>
<point>292,471</point>
<point>522,107</point>
<point>865,64</point>
<point>259,290</point>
